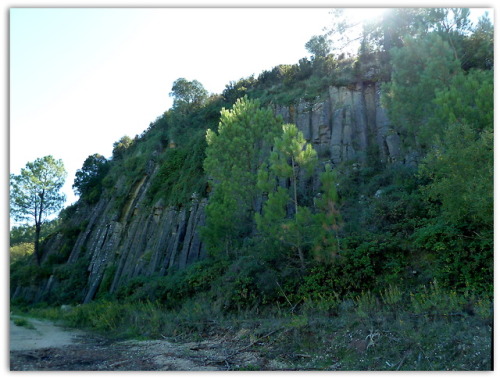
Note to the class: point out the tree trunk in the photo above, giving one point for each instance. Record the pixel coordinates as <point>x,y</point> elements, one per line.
<point>38,257</point>
<point>301,257</point>
<point>294,185</point>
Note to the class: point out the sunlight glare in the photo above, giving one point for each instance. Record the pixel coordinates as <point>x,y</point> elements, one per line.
<point>361,15</point>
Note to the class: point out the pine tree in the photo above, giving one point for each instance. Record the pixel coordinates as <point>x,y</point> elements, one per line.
<point>234,154</point>
<point>291,156</point>
<point>328,218</point>
<point>35,194</point>
<point>419,68</point>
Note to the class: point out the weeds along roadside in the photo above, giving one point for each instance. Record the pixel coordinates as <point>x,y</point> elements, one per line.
<point>429,329</point>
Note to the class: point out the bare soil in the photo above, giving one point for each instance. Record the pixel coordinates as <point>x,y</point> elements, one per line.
<point>49,347</point>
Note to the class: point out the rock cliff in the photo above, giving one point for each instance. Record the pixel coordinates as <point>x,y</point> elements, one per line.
<point>348,123</point>
<point>123,240</point>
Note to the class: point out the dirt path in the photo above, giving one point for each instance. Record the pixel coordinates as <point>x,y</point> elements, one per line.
<point>40,334</point>
<point>45,346</point>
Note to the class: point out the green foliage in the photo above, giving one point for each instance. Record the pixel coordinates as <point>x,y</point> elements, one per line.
<point>234,153</point>
<point>180,176</point>
<point>382,200</point>
<point>419,68</point>
<point>327,244</point>
<point>188,94</point>
<point>107,280</point>
<point>26,233</point>
<point>22,322</point>
<point>88,179</point>
<point>463,176</point>
<point>292,153</point>
<point>468,100</point>
<point>271,221</point>
<point>25,273</point>
<point>237,90</point>
<point>72,280</point>
<point>174,289</point>
<point>318,46</point>
<point>461,166</point>
<point>21,234</point>
<point>251,283</point>
<point>435,300</point>
<point>20,251</point>
<point>291,156</point>
<point>478,47</point>
<point>35,193</point>
<point>308,80</point>
<point>459,174</point>
<point>463,257</point>
<point>120,146</point>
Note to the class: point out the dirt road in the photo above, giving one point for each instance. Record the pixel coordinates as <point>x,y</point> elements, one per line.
<point>43,346</point>
<point>37,334</point>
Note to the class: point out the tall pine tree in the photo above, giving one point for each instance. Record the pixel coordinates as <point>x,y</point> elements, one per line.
<point>234,153</point>
<point>292,156</point>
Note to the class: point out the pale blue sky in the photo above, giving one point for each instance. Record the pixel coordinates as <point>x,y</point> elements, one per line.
<point>82,78</point>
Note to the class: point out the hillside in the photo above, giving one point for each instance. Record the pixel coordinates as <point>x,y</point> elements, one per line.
<point>339,184</point>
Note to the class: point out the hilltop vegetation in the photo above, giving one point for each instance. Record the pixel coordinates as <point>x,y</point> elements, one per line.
<point>405,244</point>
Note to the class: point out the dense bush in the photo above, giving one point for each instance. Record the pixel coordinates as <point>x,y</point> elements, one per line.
<point>180,174</point>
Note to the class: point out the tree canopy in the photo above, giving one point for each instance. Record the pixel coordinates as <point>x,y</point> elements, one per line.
<point>318,46</point>
<point>88,179</point>
<point>419,68</point>
<point>188,93</point>
<point>35,193</point>
<point>234,154</point>
<point>291,156</point>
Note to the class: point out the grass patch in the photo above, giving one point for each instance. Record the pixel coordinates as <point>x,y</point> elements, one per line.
<point>426,330</point>
<point>22,322</point>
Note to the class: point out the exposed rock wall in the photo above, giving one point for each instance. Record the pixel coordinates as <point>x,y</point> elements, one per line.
<point>346,124</point>
<point>143,241</point>
<point>130,239</point>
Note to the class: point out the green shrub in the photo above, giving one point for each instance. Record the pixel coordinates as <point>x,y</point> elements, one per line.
<point>72,280</point>
<point>23,323</point>
<point>21,251</point>
<point>391,296</point>
<point>25,272</point>
<point>463,258</point>
<point>180,174</point>
<point>433,299</point>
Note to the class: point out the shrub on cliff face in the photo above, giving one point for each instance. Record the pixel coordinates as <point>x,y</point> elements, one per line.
<point>72,280</point>
<point>21,251</point>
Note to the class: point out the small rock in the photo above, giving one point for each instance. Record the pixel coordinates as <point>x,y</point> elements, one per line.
<point>66,308</point>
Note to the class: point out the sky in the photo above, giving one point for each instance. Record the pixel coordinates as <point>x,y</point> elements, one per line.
<point>81,78</point>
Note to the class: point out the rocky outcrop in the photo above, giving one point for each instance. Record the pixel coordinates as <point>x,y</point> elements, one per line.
<point>346,124</point>
<point>142,241</point>
<point>128,241</point>
<point>122,240</point>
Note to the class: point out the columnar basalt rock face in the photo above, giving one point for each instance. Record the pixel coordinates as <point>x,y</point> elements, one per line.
<point>346,124</point>
<point>138,239</point>
<point>143,242</point>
